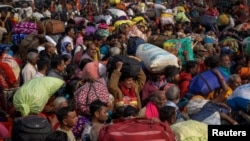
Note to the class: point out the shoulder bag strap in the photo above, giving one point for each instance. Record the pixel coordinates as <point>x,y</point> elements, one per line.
<point>91,84</point>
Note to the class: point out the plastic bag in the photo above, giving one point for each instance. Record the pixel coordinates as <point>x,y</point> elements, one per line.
<point>34,94</point>
<point>155,58</point>
<point>190,130</point>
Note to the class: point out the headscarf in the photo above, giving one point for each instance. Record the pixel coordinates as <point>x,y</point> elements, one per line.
<point>64,46</point>
<point>103,32</point>
<point>93,70</point>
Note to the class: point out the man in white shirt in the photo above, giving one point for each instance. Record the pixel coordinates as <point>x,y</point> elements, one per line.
<point>30,69</point>
<point>27,10</point>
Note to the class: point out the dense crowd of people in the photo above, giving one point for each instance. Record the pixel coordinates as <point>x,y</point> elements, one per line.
<point>80,65</point>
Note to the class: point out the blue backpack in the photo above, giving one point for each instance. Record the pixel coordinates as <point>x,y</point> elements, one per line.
<point>133,43</point>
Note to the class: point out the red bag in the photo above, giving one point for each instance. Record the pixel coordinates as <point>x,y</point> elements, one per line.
<point>90,91</point>
<point>136,130</point>
<point>7,76</point>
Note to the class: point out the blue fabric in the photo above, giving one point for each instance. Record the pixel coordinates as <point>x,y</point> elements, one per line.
<point>198,84</point>
<point>64,46</point>
<point>225,71</point>
<point>208,40</point>
<point>4,47</point>
<point>17,38</point>
<point>104,49</point>
<point>238,103</point>
<point>207,110</point>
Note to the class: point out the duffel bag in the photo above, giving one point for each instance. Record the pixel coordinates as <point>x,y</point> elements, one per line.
<point>154,58</point>
<point>54,27</point>
<point>205,82</point>
<point>90,91</point>
<point>136,130</point>
<point>30,41</point>
<point>130,67</point>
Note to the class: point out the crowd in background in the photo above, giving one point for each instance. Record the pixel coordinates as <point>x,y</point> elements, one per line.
<point>102,77</point>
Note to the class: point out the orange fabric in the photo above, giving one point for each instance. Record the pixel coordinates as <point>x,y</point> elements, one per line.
<point>244,72</point>
<point>121,6</point>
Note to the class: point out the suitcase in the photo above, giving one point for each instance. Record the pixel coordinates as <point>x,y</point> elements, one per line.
<point>54,27</point>
<point>136,130</point>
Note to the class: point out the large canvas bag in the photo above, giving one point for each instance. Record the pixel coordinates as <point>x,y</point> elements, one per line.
<point>205,82</point>
<point>136,130</point>
<point>130,68</point>
<point>155,58</point>
<point>90,91</point>
<point>54,27</point>
<point>190,130</point>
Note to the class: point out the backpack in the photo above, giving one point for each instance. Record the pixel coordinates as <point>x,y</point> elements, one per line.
<point>30,128</point>
<point>133,43</point>
<point>130,67</point>
<point>136,130</point>
<point>90,91</point>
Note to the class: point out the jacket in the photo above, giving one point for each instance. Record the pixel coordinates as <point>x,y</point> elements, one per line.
<point>114,89</point>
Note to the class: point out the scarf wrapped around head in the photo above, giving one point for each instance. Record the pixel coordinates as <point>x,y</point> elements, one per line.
<point>64,46</point>
<point>93,70</point>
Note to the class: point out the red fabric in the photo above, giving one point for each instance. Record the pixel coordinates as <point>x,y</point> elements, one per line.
<point>151,111</point>
<point>9,75</point>
<point>5,129</point>
<point>212,12</point>
<point>185,79</point>
<point>148,89</point>
<point>19,61</point>
<point>128,92</point>
<point>201,67</point>
<point>136,130</point>
<point>89,92</point>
